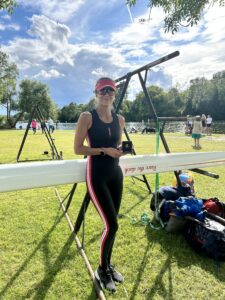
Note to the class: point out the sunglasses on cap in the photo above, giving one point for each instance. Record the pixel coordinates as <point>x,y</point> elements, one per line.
<point>106,90</point>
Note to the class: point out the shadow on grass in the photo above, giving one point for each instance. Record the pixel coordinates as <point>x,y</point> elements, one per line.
<point>51,270</point>
<point>136,194</point>
<point>177,251</point>
<point>24,265</point>
<point>140,272</point>
<point>93,294</point>
<point>43,286</point>
<point>159,287</point>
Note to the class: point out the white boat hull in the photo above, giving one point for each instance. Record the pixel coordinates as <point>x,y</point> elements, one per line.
<point>42,174</point>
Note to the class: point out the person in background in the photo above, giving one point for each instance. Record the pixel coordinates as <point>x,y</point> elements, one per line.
<point>189,125</point>
<point>43,126</point>
<point>203,123</point>
<point>209,121</point>
<point>51,125</point>
<point>196,131</point>
<point>102,129</point>
<point>34,125</point>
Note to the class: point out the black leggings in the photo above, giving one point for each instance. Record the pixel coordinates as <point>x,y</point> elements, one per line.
<point>105,184</point>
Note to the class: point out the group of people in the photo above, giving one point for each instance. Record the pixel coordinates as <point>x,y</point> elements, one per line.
<point>50,123</point>
<point>198,126</point>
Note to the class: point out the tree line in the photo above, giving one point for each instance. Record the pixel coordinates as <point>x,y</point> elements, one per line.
<point>203,96</point>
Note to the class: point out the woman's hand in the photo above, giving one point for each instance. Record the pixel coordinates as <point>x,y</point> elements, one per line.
<point>115,153</point>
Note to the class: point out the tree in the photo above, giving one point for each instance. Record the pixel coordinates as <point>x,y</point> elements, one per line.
<point>126,110</point>
<point>8,79</point>
<point>7,5</point>
<point>176,101</point>
<point>218,101</point>
<point>36,93</point>
<point>180,13</point>
<point>70,113</point>
<point>140,109</point>
<point>90,105</point>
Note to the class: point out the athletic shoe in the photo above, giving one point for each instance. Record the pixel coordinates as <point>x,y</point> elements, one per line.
<point>116,276</point>
<point>105,280</point>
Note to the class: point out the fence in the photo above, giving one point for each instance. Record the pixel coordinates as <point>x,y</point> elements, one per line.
<point>218,126</point>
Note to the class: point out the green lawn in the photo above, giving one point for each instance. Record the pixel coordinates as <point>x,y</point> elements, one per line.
<point>38,255</point>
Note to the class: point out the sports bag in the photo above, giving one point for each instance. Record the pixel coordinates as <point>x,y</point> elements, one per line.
<point>164,206</point>
<point>206,238</point>
<point>213,205</point>
<point>168,193</point>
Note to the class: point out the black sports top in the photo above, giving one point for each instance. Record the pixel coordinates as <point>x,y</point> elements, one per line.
<point>103,134</point>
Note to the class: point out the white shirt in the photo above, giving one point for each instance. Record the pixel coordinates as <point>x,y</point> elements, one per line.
<point>209,120</point>
<point>50,122</point>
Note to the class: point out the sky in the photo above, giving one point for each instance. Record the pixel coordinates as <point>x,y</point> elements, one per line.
<point>69,44</point>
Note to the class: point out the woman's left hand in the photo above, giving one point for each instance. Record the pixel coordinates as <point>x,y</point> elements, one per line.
<point>115,153</point>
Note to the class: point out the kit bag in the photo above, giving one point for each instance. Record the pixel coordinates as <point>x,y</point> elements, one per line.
<point>215,206</point>
<point>206,238</point>
<point>168,193</point>
<point>164,206</point>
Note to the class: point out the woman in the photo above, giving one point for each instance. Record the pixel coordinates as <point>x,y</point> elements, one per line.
<point>196,131</point>
<point>209,125</point>
<point>103,131</point>
<point>34,125</point>
<point>203,123</point>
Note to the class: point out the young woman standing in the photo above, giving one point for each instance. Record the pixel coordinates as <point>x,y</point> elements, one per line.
<point>103,129</point>
<point>196,132</point>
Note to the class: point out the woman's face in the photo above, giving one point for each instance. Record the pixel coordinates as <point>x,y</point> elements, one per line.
<point>105,97</point>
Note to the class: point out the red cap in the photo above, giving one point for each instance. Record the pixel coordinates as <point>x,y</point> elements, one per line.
<point>104,82</point>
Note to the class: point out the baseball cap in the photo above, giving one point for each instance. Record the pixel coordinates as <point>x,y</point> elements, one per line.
<point>105,82</point>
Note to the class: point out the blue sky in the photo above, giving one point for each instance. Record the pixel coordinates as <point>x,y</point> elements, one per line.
<point>68,44</point>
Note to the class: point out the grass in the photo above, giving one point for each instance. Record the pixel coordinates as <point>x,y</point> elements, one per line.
<point>38,256</point>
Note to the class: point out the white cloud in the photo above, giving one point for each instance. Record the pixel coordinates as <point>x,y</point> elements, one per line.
<point>137,33</point>
<point>11,26</point>
<point>49,42</point>
<point>186,34</point>
<point>136,53</point>
<point>99,72</point>
<point>53,50</point>
<point>26,64</point>
<point>133,34</point>
<point>6,17</point>
<point>58,10</point>
<point>202,57</point>
<point>214,24</point>
<point>49,74</point>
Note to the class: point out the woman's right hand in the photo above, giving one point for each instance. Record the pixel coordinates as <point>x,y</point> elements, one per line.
<point>115,153</point>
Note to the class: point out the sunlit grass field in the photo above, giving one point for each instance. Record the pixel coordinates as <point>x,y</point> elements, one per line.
<point>38,256</point>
